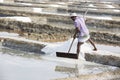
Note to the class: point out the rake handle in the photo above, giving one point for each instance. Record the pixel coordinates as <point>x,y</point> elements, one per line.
<point>71,45</point>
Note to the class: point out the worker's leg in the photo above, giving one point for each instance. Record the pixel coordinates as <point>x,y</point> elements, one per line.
<point>79,47</point>
<point>95,49</point>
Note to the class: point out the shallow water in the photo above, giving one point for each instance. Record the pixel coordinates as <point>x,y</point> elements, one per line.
<point>113,49</point>
<point>19,65</point>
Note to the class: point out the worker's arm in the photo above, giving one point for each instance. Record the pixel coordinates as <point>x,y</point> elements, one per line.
<point>77,30</point>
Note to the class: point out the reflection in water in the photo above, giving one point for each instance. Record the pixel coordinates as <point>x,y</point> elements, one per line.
<point>77,70</point>
<point>88,72</point>
<point>54,69</point>
<point>14,52</point>
<point>68,70</point>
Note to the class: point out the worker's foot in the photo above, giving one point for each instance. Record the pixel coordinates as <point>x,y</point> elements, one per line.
<point>95,49</point>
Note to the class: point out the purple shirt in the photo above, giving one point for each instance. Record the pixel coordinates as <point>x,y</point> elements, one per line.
<point>80,23</point>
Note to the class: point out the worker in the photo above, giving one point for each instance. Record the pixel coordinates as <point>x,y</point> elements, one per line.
<point>81,31</point>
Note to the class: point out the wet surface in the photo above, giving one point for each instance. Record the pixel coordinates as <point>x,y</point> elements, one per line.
<point>19,65</point>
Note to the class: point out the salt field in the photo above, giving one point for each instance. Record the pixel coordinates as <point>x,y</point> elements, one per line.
<point>19,65</point>
<point>32,31</point>
<point>30,66</point>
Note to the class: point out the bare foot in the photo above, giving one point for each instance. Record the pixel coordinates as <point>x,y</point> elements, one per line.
<point>95,49</point>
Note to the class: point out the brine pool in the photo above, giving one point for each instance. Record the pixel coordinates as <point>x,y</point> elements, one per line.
<point>19,65</point>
